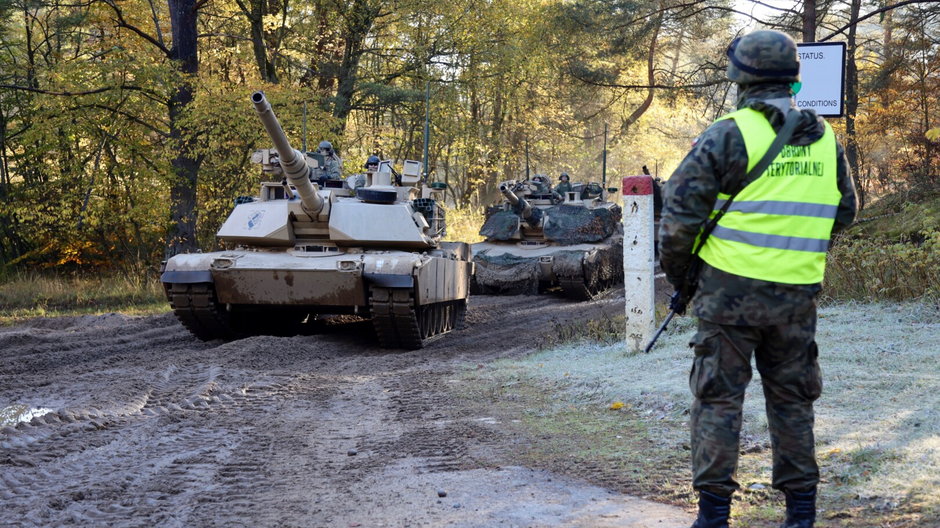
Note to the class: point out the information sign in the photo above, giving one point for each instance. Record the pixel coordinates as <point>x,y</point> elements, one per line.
<point>822,72</point>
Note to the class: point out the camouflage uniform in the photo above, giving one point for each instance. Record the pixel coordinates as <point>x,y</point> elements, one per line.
<point>739,316</point>
<point>332,169</point>
<point>563,187</point>
<point>540,184</point>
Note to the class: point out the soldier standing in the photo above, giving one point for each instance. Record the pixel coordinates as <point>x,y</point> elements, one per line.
<point>762,269</point>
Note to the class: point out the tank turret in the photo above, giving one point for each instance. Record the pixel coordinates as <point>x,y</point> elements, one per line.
<point>538,239</point>
<point>521,205</point>
<point>293,162</point>
<point>368,246</point>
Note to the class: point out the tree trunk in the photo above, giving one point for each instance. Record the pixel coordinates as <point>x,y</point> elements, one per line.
<point>650,78</point>
<point>851,102</point>
<point>809,20</point>
<point>359,21</point>
<point>182,235</point>
<point>254,12</point>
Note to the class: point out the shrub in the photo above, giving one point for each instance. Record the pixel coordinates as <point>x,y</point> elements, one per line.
<point>31,294</point>
<point>463,225</point>
<point>869,269</point>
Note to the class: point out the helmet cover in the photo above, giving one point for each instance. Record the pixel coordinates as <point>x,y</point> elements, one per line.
<point>763,56</point>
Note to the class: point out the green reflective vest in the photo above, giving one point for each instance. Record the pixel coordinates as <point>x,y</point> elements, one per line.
<point>778,227</point>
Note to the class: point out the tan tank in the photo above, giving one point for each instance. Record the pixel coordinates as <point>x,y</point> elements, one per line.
<point>539,240</point>
<point>369,245</point>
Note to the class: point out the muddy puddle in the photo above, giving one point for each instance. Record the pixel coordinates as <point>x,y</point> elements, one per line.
<point>15,414</point>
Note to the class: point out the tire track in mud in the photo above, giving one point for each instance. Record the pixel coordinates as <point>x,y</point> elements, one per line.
<point>155,428</point>
<point>201,448</point>
<point>71,466</point>
<point>86,348</point>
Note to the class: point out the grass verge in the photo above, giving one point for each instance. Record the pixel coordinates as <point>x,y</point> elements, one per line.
<point>878,424</point>
<point>27,295</point>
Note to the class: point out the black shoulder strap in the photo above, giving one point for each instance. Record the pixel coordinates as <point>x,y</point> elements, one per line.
<point>784,135</point>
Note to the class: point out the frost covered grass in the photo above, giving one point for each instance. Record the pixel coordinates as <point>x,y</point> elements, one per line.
<point>877,423</point>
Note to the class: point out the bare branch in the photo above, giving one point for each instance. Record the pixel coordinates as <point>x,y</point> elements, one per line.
<point>769,6</point>
<point>650,86</point>
<point>223,35</point>
<point>123,23</point>
<point>131,117</point>
<point>156,22</point>
<point>873,13</point>
<point>70,94</point>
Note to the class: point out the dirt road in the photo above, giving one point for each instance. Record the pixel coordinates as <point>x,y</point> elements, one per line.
<point>146,426</point>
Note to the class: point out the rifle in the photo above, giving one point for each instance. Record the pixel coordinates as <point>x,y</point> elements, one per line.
<point>681,297</point>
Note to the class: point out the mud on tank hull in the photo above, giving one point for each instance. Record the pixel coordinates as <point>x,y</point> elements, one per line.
<point>581,271</point>
<point>412,297</point>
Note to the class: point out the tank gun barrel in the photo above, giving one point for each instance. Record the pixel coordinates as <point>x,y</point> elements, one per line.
<point>292,161</point>
<point>525,208</point>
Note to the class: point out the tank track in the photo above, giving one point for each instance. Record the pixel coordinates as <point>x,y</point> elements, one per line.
<point>576,289</point>
<point>399,323</point>
<point>196,307</point>
<point>598,277</point>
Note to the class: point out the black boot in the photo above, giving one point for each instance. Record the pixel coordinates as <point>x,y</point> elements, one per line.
<point>801,509</point>
<point>713,511</point>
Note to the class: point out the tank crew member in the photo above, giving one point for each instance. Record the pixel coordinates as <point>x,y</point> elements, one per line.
<point>564,184</point>
<point>332,169</point>
<point>372,164</point>
<point>591,190</point>
<point>541,184</point>
<point>355,181</point>
<point>762,269</point>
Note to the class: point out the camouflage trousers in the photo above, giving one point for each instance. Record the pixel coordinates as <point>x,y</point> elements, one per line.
<point>786,357</point>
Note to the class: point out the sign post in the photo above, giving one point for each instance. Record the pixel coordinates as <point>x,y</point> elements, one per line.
<point>822,74</point>
<point>638,260</point>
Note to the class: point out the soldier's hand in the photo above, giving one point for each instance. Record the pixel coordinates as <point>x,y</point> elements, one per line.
<point>676,281</point>
<point>678,302</point>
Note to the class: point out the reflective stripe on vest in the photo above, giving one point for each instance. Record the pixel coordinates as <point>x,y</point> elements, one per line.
<point>778,227</point>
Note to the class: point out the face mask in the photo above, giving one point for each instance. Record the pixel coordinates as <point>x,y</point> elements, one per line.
<point>795,87</point>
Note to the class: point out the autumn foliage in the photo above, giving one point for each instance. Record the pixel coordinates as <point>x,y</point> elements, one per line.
<point>126,133</point>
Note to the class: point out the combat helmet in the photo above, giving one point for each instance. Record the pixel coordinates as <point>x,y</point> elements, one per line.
<point>326,146</point>
<point>763,56</point>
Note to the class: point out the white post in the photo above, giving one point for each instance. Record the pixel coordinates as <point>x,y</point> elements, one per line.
<point>638,260</point>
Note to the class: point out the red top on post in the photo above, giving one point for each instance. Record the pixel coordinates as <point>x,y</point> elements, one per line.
<point>637,185</point>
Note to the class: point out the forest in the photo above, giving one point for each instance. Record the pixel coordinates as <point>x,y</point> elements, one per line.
<point>126,129</point>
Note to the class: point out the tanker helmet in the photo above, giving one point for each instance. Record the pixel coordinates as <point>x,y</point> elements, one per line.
<point>372,163</point>
<point>763,56</point>
<point>326,146</point>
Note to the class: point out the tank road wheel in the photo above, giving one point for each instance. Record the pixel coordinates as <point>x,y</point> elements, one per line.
<point>195,305</point>
<point>399,323</point>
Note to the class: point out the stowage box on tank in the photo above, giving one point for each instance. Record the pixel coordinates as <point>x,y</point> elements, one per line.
<point>360,246</point>
<point>538,239</point>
